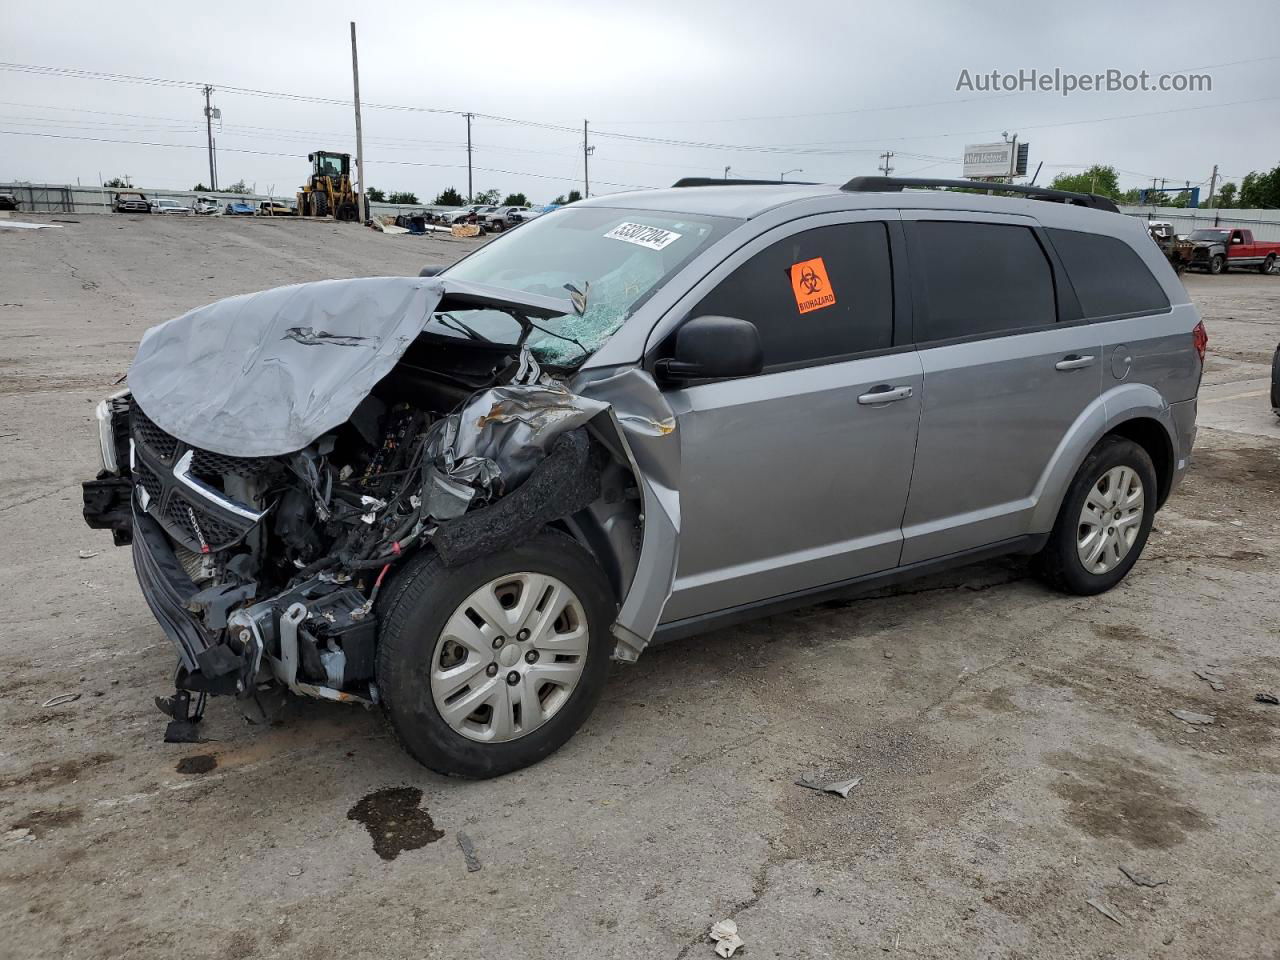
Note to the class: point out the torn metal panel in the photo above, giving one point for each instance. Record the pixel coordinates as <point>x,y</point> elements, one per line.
<point>647,429</point>
<point>265,374</point>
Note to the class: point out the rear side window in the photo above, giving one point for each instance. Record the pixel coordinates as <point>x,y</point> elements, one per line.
<point>981,278</point>
<point>817,295</point>
<point>1108,275</point>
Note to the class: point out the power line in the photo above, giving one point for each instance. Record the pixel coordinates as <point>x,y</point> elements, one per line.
<point>295,156</point>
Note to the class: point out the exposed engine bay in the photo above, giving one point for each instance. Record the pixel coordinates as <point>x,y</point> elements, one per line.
<point>270,567</point>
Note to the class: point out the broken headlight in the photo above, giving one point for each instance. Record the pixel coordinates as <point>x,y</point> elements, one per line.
<point>112,415</point>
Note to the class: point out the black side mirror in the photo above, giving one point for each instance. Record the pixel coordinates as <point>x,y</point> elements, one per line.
<point>430,270</point>
<point>714,348</point>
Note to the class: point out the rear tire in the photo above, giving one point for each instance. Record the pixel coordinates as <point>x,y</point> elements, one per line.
<point>1275,382</point>
<point>1269,264</point>
<point>1100,513</point>
<point>417,652</point>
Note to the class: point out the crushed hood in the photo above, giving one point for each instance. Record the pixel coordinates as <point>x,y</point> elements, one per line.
<point>265,374</point>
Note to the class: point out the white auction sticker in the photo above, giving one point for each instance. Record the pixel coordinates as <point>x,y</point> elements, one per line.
<point>654,238</point>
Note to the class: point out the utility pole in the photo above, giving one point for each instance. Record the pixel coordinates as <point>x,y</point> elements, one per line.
<point>208,129</point>
<point>1213,185</point>
<point>886,157</point>
<point>586,153</point>
<point>362,200</point>
<point>470,196</point>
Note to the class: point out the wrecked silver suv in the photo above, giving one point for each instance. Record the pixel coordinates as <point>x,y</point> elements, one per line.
<point>459,495</point>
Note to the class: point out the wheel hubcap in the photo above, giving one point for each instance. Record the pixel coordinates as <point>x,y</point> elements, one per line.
<point>495,691</point>
<point>1110,519</point>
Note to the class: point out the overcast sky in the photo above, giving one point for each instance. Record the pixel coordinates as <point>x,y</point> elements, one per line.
<point>825,85</point>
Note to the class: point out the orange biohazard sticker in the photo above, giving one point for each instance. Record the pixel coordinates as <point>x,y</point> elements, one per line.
<point>811,286</point>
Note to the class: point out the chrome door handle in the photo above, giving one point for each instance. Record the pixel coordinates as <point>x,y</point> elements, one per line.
<point>884,395</point>
<point>1073,362</point>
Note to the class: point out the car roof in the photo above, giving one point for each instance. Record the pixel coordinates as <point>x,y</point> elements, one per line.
<point>747,201</point>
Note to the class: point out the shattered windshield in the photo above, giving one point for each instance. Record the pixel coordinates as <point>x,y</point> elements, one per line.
<point>614,259</point>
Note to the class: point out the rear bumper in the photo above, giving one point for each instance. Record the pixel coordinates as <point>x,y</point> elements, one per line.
<point>1183,414</point>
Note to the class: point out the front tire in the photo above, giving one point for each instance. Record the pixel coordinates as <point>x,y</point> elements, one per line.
<point>1104,520</point>
<point>491,666</point>
<point>1218,264</point>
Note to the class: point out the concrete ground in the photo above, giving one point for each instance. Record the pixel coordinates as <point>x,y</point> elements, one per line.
<point>1015,745</point>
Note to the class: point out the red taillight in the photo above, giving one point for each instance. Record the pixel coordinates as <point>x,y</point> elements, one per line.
<point>1200,338</point>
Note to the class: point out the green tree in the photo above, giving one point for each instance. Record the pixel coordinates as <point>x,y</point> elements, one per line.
<point>118,182</point>
<point>574,197</point>
<point>516,200</point>
<point>1129,197</point>
<point>1098,179</point>
<point>1226,195</point>
<point>487,196</point>
<point>375,195</point>
<point>1157,198</point>
<point>403,197</point>
<point>1261,189</point>
<point>199,188</point>
<point>559,201</point>
<point>237,187</point>
<point>448,198</point>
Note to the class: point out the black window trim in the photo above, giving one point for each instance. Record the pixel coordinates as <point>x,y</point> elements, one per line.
<point>1064,298</point>
<point>899,266</point>
<point>1107,318</point>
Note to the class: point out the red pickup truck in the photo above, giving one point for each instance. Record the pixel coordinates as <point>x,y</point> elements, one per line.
<point>1217,249</point>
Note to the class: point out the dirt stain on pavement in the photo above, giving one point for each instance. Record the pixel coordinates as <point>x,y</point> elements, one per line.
<point>200,763</point>
<point>40,822</point>
<point>1110,794</point>
<point>395,821</point>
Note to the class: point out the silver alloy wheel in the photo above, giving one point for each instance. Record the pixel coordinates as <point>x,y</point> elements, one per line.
<point>1110,519</point>
<point>509,657</point>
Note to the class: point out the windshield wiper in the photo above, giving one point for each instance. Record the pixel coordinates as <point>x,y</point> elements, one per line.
<point>453,323</point>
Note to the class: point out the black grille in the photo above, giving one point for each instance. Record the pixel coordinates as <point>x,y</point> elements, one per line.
<point>206,463</point>
<point>150,482</point>
<point>182,517</point>
<point>152,437</point>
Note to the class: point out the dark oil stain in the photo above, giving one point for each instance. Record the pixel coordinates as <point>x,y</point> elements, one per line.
<point>1111,794</point>
<point>1244,466</point>
<point>395,821</point>
<point>40,821</point>
<point>53,774</point>
<point>200,763</point>
<point>1121,633</point>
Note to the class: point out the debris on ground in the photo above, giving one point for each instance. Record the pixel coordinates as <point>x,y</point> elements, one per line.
<point>23,835</point>
<point>1212,679</point>
<point>61,699</point>
<point>1108,911</point>
<point>725,933</point>
<point>1191,717</point>
<point>1267,698</point>
<point>199,764</point>
<point>841,787</point>
<point>88,554</point>
<point>1140,879</point>
<point>468,848</point>
<point>295,871</point>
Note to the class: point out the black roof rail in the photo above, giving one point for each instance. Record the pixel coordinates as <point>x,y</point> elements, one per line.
<point>718,182</point>
<point>891,184</point>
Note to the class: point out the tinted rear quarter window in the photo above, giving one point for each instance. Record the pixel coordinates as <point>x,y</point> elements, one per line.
<point>1108,276</point>
<point>816,295</point>
<point>981,278</point>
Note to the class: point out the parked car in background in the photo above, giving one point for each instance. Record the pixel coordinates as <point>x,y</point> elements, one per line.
<point>240,208</point>
<point>130,201</point>
<point>169,205</point>
<point>504,217</point>
<point>1218,249</point>
<point>276,208</point>
<point>206,206</point>
<point>545,482</point>
<point>460,214</point>
<point>8,201</point>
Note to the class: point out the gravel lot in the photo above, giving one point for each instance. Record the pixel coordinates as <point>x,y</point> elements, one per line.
<point>1016,745</point>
